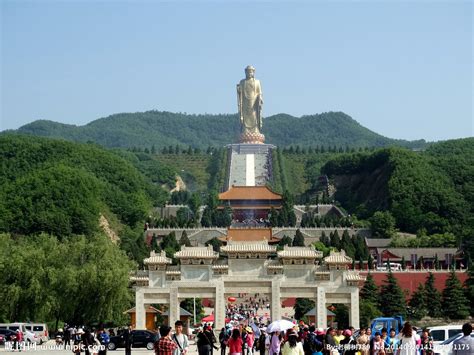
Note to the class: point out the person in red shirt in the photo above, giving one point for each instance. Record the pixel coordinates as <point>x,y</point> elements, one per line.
<point>235,343</point>
<point>165,346</point>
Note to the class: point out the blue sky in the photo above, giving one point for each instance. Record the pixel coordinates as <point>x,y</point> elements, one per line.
<point>402,69</point>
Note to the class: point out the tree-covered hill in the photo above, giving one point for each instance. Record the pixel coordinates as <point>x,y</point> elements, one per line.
<point>429,191</point>
<point>62,188</point>
<point>162,129</point>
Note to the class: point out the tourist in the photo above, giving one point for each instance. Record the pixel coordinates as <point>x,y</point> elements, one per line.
<point>78,345</point>
<point>88,341</point>
<point>426,343</point>
<point>464,345</point>
<point>165,346</point>
<point>292,346</point>
<point>235,343</point>
<point>339,336</point>
<point>391,343</point>
<point>378,347</point>
<point>312,345</point>
<point>262,343</point>
<point>363,340</point>
<point>205,341</point>
<point>330,344</point>
<point>348,343</point>
<point>275,343</point>
<point>104,340</point>
<point>250,340</point>
<point>223,337</point>
<point>180,339</point>
<point>407,344</point>
<point>128,340</point>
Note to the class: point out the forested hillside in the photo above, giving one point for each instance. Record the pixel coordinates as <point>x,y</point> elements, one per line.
<point>162,129</point>
<point>71,225</point>
<point>63,188</point>
<point>427,192</point>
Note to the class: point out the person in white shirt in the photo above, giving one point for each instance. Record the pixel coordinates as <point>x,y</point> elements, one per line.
<point>407,344</point>
<point>180,339</point>
<point>464,345</point>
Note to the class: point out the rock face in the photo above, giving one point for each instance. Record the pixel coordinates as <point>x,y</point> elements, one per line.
<point>104,224</point>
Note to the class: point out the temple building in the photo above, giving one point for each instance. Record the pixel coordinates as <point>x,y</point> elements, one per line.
<point>250,202</point>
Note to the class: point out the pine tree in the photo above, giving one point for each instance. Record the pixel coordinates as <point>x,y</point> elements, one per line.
<point>417,303</point>
<point>403,263</point>
<point>324,239</point>
<point>455,304</point>
<point>469,287</point>
<point>433,297</point>
<point>369,291</point>
<point>391,298</point>
<point>370,262</point>
<point>298,240</point>
<point>347,244</point>
<point>184,239</point>
<point>335,240</point>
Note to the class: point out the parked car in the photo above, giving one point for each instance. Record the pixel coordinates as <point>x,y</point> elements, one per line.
<point>40,329</point>
<point>446,347</point>
<point>28,336</point>
<point>7,334</point>
<point>444,332</point>
<point>140,339</point>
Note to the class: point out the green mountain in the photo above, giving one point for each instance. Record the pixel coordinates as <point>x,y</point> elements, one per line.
<point>63,188</point>
<point>431,191</point>
<point>162,129</point>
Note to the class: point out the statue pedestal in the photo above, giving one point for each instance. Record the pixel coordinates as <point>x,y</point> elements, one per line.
<point>252,138</point>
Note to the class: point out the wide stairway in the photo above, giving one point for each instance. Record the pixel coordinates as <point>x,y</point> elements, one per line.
<point>250,165</point>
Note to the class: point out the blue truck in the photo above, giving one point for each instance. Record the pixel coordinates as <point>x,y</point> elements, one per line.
<point>378,324</point>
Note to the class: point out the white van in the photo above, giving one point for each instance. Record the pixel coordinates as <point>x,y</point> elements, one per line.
<point>40,329</point>
<point>28,335</point>
<point>393,267</point>
<point>444,332</point>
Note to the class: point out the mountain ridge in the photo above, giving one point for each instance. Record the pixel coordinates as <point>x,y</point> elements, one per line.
<point>163,128</point>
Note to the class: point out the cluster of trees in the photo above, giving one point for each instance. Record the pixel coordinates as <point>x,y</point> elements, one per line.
<point>444,240</point>
<point>79,279</point>
<point>455,302</point>
<point>354,247</point>
<point>285,216</point>
<point>162,129</point>
<point>423,191</point>
<point>212,216</point>
<point>312,220</point>
<point>61,188</point>
<point>322,149</point>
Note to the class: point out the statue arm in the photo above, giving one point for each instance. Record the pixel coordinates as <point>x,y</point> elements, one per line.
<point>239,102</point>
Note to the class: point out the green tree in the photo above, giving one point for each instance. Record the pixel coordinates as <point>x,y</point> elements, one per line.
<point>298,240</point>
<point>188,304</point>
<point>417,303</point>
<point>284,241</point>
<point>455,303</point>
<point>216,244</point>
<point>369,291</point>
<point>368,311</point>
<point>347,244</point>
<point>335,240</point>
<point>302,306</point>
<point>382,224</point>
<point>469,288</point>
<point>184,239</point>
<point>433,297</point>
<point>396,303</point>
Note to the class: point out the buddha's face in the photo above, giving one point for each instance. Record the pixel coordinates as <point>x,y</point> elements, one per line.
<point>249,73</point>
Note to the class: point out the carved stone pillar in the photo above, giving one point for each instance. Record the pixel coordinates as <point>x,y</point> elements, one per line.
<point>354,309</point>
<point>321,312</point>
<point>140,314</point>
<point>276,302</point>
